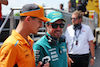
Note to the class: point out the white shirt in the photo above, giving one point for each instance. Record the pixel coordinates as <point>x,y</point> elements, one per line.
<point>85,35</point>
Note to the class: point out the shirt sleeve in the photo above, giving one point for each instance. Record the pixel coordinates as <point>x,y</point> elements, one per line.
<point>39,53</point>
<point>8,55</point>
<point>90,34</point>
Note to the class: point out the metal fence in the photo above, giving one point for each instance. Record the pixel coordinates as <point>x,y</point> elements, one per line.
<point>91,22</point>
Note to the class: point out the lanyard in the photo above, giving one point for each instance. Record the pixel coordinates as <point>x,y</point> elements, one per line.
<point>77,35</point>
<point>76,38</point>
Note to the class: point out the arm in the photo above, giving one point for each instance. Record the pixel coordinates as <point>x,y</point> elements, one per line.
<point>5,2</point>
<point>39,54</point>
<point>7,53</point>
<point>45,65</point>
<point>69,60</point>
<point>92,50</point>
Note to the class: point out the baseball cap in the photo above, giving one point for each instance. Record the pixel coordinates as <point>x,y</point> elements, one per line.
<point>54,16</point>
<point>33,10</point>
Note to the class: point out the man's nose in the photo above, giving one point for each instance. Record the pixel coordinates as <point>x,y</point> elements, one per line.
<point>58,27</point>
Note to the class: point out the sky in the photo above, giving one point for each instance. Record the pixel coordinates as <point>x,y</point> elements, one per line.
<point>20,3</point>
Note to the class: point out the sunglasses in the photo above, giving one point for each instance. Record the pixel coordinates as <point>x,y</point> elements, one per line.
<point>56,25</point>
<point>74,18</point>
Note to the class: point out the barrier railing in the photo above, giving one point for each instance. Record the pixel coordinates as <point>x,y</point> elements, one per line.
<point>66,16</point>
<point>5,21</point>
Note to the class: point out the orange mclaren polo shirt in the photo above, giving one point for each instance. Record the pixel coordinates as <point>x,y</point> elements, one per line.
<point>16,50</point>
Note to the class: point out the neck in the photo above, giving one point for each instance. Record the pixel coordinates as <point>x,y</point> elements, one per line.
<point>22,30</point>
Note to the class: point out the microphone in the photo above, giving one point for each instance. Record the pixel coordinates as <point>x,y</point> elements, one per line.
<point>45,60</point>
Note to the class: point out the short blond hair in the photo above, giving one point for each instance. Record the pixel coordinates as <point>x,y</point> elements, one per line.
<point>78,13</point>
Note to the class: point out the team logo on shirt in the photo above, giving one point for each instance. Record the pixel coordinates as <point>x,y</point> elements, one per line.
<point>64,49</point>
<point>54,55</point>
<point>83,31</point>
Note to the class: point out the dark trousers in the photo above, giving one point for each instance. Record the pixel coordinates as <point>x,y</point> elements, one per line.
<point>80,60</point>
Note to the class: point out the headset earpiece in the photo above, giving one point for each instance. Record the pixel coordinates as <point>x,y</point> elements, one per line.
<point>77,26</point>
<point>51,40</point>
<point>54,41</point>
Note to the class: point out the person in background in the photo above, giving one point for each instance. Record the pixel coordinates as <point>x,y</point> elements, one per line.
<point>52,45</point>
<point>82,8</point>
<point>70,8</point>
<point>4,2</point>
<point>61,7</point>
<point>79,39</point>
<point>17,48</point>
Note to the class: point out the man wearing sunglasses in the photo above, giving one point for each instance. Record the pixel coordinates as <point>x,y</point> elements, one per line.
<point>17,50</point>
<point>52,44</point>
<point>79,39</point>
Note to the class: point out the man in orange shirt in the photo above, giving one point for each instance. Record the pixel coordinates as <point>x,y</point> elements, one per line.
<point>5,2</point>
<point>17,48</point>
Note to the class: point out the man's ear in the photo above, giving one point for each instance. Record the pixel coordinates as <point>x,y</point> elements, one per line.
<point>27,18</point>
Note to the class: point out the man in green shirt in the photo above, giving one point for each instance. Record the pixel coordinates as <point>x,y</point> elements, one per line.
<point>52,44</point>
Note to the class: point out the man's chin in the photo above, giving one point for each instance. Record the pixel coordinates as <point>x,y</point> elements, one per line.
<point>58,36</point>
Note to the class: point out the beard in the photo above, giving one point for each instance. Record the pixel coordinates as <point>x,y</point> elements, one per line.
<point>57,34</point>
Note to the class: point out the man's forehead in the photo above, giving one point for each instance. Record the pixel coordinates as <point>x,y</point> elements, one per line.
<point>39,19</point>
<point>74,15</point>
<point>59,21</point>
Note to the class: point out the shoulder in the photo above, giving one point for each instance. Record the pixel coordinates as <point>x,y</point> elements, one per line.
<point>85,26</point>
<point>70,27</point>
<point>8,45</point>
<point>11,40</point>
<point>40,42</point>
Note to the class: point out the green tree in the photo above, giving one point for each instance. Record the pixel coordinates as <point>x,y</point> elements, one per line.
<point>17,14</point>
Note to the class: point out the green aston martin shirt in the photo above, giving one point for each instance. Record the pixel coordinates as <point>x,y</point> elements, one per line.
<point>56,52</point>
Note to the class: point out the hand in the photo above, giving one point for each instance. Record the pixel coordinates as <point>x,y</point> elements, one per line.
<point>45,65</point>
<point>91,61</point>
<point>70,61</point>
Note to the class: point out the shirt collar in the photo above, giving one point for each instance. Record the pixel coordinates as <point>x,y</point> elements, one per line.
<point>21,39</point>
